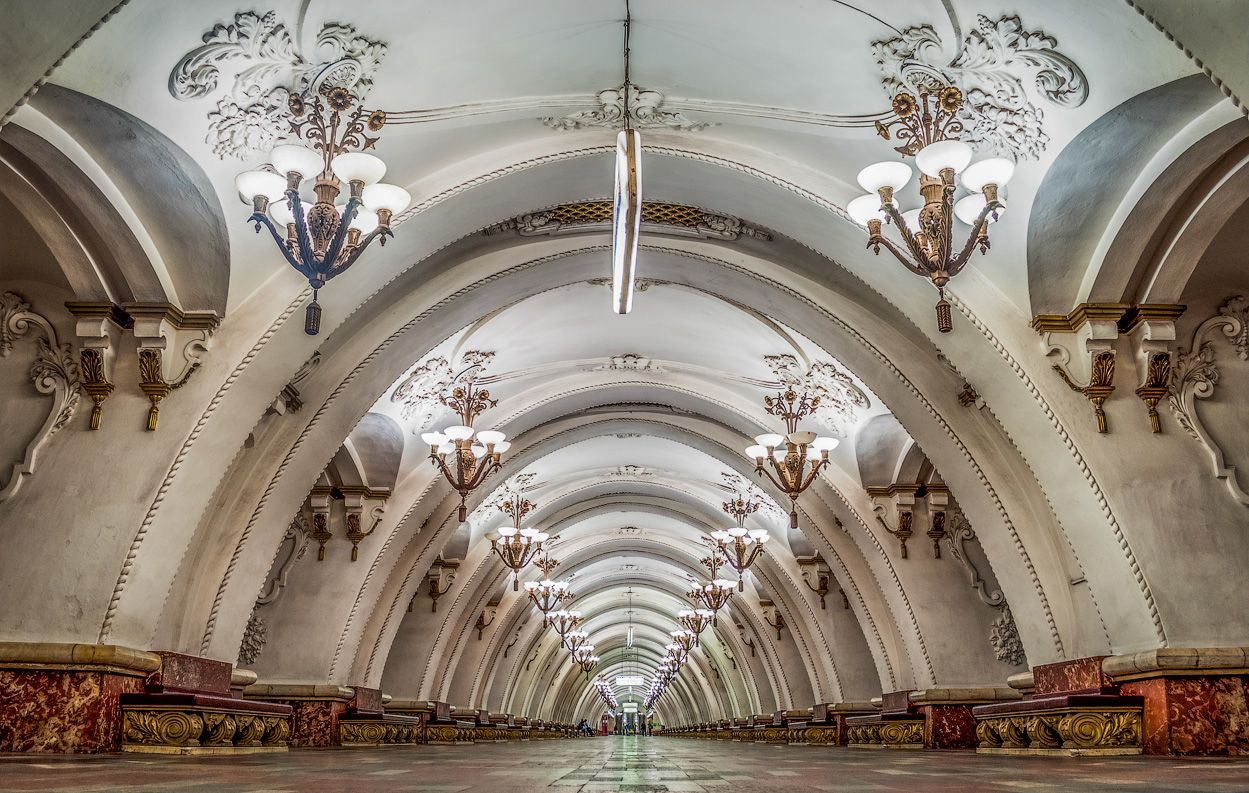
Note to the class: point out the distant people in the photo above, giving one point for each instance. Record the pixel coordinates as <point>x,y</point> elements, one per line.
<point>584,728</point>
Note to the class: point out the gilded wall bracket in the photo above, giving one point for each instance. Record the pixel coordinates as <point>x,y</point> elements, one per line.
<point>158,327</point>
<point>815,569</point>
<point>97,324</point>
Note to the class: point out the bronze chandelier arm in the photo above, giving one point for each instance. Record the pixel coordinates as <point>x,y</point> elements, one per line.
<point>907,237</point>
<point>301,234</point>
<point>354,253</point>
<point>946,242</point>
<point>815,469</point>
<point>977,231</point>
<point>899,255</point>
<point>260,217</point>
<point>773,479</point>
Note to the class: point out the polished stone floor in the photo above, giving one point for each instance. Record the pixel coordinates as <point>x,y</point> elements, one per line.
<point>631,764</point>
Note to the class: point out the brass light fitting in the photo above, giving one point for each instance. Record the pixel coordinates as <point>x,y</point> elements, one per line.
<point>323,240</point>
<point>516,546</point>
<point>928,128</point>
<point>466,460</point>
<point>796,457</point>
<point>741,546</point>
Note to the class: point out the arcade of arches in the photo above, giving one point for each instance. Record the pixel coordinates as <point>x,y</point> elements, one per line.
<point>224,532</point>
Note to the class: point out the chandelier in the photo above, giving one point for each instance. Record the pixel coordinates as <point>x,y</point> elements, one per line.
<point>715,593</point>
<point>741,547</point>
<point>789,455</point>
<point>471,459</point>
<point>323,240</point>
<point>684,638</point>
<point>547,594</point>
<point>564,621</point>
<point>585,658</point>
<point>695,620</point>
<point>514,545</point>
<point>604,691</point>
<point>928,130</point>
<point>575,640</point>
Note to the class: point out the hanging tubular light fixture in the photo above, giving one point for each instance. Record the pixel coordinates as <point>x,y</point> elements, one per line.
<point>627,207</point>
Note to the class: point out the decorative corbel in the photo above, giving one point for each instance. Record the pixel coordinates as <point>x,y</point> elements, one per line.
<point>482,623</point>
<point>155,325</point>
<point>96,325</point>
<point>845,599</point>
<point>741,631</point>
<point>968,396</point>
<point>901,499</point>
<point>320,503</point>
<point>1152,329</point>
<point>814,567</point>
<point>938,500</point>
<point>1101,384</point>
<point>1157,386</point>
<point>353,499</point>
<point>772,616</point>
<point>438,571</point>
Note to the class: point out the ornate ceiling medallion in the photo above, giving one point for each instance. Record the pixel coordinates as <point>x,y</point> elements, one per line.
<point>251,118</point>
<point>998,115</point>
<point>643,104</point>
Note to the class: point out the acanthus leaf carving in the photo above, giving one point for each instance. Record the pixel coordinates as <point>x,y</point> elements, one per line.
<point>53,372</point>
<point>840,398</point>
<point>421,392</point>
<point>1004,638</point>
<point>251,117</point>
<point>1194,376</point>
<point>998,115</point>
<point>254,637</point>
<point>645,110</point>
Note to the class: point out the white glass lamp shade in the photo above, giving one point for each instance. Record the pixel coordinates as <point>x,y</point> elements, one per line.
<point>865,208</point>
<point>507,531</point>
<point>995,170</point>
<point>885,174</point>
<point>825,443</point>
<point>676,634</point>
<point>434,438</point>
<point>705,613</point>
<point>254,183</point>
<point>559,614</point>
<point>969,208</point>
<point>478,450</point>
<point>531,586</point>
<point>281,213</point>
<point>560,586</point>
<point>737,531</point>
<point>683,613</point>
<point>386,196</point>
<point>527,533</point>
<point>720,535</point>
<point>292,158</point>
<point>759,535</point>
<point>493,536</point>
<point>814,455</point>
<point>357,166</point>
<point>364,221</point>
<point>542,536</point>
<point>756,451</point>
<point>911,219</point>
<point>769,439</point>
<point>935,157</point>
<point>502,446</point>
<point>446,448</point>
<point>490,437</point>
<point>459,432</point>
<point>574,614</point>
<point>780,454</point>
<point>801,438</point>
<point>721,583</point>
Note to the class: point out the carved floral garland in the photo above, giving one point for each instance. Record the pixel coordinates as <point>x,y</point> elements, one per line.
<point>253,116</point>
<point>998,115</point>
